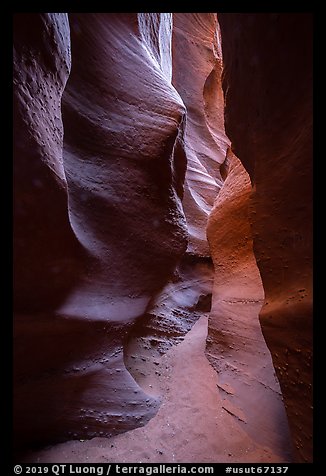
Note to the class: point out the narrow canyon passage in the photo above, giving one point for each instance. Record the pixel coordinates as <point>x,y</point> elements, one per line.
<point>193,423</point>
<point>162,239</point>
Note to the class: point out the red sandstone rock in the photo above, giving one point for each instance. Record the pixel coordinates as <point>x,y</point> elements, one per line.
<point>122,117</point>
<point>268,88</point>
<point>116,199</point>
<point>202,142</point>
<point>197,67</point>
<point>117,228</point>
<point>235,344</point>
<point>172,313</point>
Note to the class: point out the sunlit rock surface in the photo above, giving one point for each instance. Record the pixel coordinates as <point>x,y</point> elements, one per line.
<point>235,345</point>
<point>196,74</point>
<point>197,69</point>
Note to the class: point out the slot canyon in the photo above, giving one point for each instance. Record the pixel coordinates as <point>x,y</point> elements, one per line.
<point>162,237</point>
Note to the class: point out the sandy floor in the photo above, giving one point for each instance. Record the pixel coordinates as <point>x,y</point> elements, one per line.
<point>190,426</point>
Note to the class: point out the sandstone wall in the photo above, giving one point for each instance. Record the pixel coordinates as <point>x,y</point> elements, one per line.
<point>268,92</point>
<point>99,225</point>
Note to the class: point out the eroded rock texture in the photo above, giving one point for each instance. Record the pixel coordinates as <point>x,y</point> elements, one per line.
<point>268,89</point>
<point>45,248</point>
<point>197,68</point>
<point>104,274</point>
<point>196,74</point>
<point>122,117</point>
<point>173,312</point>
<point>235,344</point>
<point>99,221</point>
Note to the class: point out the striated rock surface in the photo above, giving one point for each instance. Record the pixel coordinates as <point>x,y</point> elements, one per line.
<point>122,117</point>
<point>171,315</point>
<point>105,282</point>
<point>197,68</point>
<point>196,74</point>
<point>194,44</point>
<point>102,213</point>
<point>230,416</point>
<point>235,344</point>
<point>269,57</point>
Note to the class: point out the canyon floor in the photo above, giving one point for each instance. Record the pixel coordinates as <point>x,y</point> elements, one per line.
<point>191,425</point>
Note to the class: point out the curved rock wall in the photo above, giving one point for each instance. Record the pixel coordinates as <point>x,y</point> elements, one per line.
<point>45,248</point>
<point>235,344</point>
<point>196,75</point>
<point>122,117</point>
<point>197,68</point>
<point>268,90</point>
<point>102,218</point>
<point>112,192</point>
